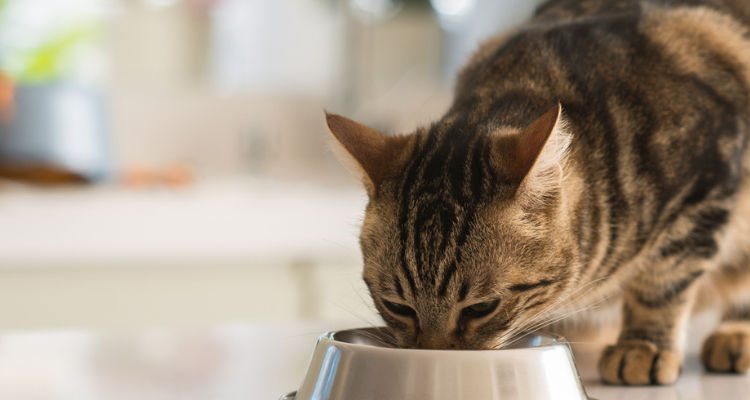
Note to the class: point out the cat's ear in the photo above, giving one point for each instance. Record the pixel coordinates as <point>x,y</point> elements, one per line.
<point>539,150</point>
<point>374,154</point>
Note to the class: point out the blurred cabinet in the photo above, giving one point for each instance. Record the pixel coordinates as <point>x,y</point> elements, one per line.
<point>236,250</point>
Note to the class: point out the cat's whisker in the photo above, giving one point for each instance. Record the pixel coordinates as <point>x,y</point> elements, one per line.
<point>356,292</point>
<point>390,336</point>
<point>341,245</point>
<point>551,307</point>
<point>501,341</point>
<point>527,326</point>
<point>571,294</point>
<point>520,335</point>
<point>544,324</point>
<point>384,338</point>
<point>356,315</point>
<point>531,327</point>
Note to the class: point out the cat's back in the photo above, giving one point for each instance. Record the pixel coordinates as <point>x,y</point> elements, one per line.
<point>643,79</point>
<point>656,95</point>
<point>560,10</point>
<point>578,44</point>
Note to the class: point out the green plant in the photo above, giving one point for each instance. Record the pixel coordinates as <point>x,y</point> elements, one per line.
<point>53,58</point>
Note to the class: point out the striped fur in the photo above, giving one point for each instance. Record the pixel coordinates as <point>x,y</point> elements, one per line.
<point>637,194</point>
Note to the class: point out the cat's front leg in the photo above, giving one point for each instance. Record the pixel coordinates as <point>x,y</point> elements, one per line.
<point>649,350</point>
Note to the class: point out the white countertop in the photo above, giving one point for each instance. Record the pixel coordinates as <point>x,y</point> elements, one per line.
<point>242,362</point>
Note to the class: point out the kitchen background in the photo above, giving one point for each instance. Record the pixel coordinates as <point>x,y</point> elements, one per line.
<point>166,162</point>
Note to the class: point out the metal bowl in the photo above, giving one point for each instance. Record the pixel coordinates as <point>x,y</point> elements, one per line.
<point>361,364</point>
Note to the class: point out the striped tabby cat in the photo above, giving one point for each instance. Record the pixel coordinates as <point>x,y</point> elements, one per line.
<point>598,152</point>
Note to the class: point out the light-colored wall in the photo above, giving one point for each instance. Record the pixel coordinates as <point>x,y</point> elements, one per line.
<point>166,108</point>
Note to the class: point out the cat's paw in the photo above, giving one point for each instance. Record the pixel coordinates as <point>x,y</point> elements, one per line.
<point>639,362</point>
<point>728,350</point>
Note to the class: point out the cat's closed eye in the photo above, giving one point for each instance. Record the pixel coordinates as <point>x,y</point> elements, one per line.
<point>400,309</point>
<point>480,310</point>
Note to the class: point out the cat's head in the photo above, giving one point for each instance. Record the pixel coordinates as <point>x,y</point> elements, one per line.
<point>466,236</point>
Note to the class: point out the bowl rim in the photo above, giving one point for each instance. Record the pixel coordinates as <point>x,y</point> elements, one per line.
<point>553,340</point>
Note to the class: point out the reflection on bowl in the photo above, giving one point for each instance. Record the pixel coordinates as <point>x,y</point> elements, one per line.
<point>362,364</point>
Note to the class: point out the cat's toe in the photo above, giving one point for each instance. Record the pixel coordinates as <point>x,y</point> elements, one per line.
<point>639,363</point>
<point>728,350</point>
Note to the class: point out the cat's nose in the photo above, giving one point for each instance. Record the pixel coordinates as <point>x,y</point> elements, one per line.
<point>436,343</point>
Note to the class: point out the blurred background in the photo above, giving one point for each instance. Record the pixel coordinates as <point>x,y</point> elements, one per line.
<point>165,163</point>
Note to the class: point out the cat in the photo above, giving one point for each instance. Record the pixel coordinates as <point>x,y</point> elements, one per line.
<point>598,152</point>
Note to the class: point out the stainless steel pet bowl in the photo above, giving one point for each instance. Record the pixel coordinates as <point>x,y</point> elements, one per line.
<point>360,364</point>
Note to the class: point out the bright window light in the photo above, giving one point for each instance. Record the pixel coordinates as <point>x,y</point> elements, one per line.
<point>453,7</point>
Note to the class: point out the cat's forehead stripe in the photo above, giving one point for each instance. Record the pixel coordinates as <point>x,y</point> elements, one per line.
<point>441,186</point>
